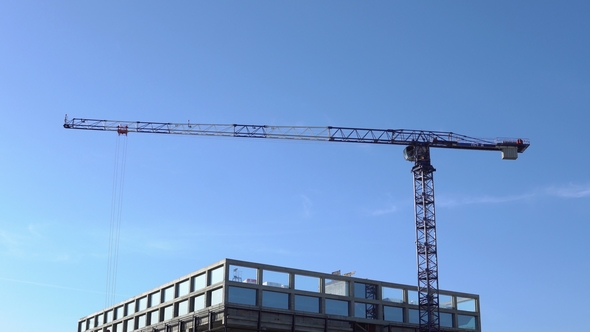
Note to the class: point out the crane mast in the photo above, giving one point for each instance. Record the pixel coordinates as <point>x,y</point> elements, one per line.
<point>426,252</point>
<point>418,144</point>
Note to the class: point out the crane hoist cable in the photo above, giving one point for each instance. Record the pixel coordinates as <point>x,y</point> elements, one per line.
<point>115,218</point>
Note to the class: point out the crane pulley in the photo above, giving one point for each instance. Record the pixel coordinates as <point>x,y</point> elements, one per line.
<point>418,144</point>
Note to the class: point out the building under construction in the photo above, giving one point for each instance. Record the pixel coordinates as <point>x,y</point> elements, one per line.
<point>236,296</point>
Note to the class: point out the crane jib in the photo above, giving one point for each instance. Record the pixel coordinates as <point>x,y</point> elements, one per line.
<point>433,139</point>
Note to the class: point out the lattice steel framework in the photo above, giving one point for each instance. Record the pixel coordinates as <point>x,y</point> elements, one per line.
<point>371,293</point>
<point>435,139</point>
<point>417,142</point>
<point>426,249</point>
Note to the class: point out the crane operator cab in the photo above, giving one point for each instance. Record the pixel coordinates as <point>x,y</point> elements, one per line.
<point>409,154</point>
<point>417,153</point>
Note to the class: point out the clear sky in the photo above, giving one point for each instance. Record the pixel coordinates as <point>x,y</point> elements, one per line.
<point>515,232</point>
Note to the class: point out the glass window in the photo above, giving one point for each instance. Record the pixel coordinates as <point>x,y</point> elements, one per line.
<point>466,322</point>
<point>393,314</point>
<point>168,312</point>
<point>90,322</point>
<point>365,291</point>
<point>336,287</point>
<point>183,288</point>
<point>275,279</point>
<point>216,296</point>
<point>359,310</point>
<point>216,275</point>
<point>199,282</point>
<point>307,303</point>
<point>413,297</point>
<point>142,304</point>
<point>365,310</point>
<point>242,274</point>
<point>154,317</point>
<point>445,301</point>
<point>154,299</point>
<point>241,295</point>
<point>99,320</point>
<point>182,307</point>
<point>119,312</point>
<point>446,319</point>
<point>130,325</point>
<point>275,300</point>
<point>141,321</point>
<point>169,294</point>
<point>392,294</point>
<point>130,308</point>
<point>119,327</point>
<point>109,316</point>
<point>336,307</point>
<point>307,283</point>
<point>199,302</point>
<point>466,303</point>
<point>83,326</point>
<point>414,316</point>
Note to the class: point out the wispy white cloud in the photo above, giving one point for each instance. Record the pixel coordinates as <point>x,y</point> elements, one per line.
<point>387,210</point>
<point>569,191</point>
<point>386,205</point>
<point>30,243</point>
<point>11,244</point>
<point>446,201</point>
<point>161,245</point>
<point>307,205</point>
<point>41,284</point>
<point>151,242</point>
<point>276,251</point>
<point>35,230</point>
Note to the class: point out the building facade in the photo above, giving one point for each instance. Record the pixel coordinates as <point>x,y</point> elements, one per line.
<point>236,296</point>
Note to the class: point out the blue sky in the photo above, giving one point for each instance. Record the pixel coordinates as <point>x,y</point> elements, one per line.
<point>514,232</point>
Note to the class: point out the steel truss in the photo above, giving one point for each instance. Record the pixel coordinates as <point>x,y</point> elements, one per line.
<point>418,144</point>
<point>438,139</point>
<point>426,251</point>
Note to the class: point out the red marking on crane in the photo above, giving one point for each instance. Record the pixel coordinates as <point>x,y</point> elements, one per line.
<point>122,130</point>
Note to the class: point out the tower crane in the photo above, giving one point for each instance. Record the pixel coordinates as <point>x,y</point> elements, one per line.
<point>417,150</point>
